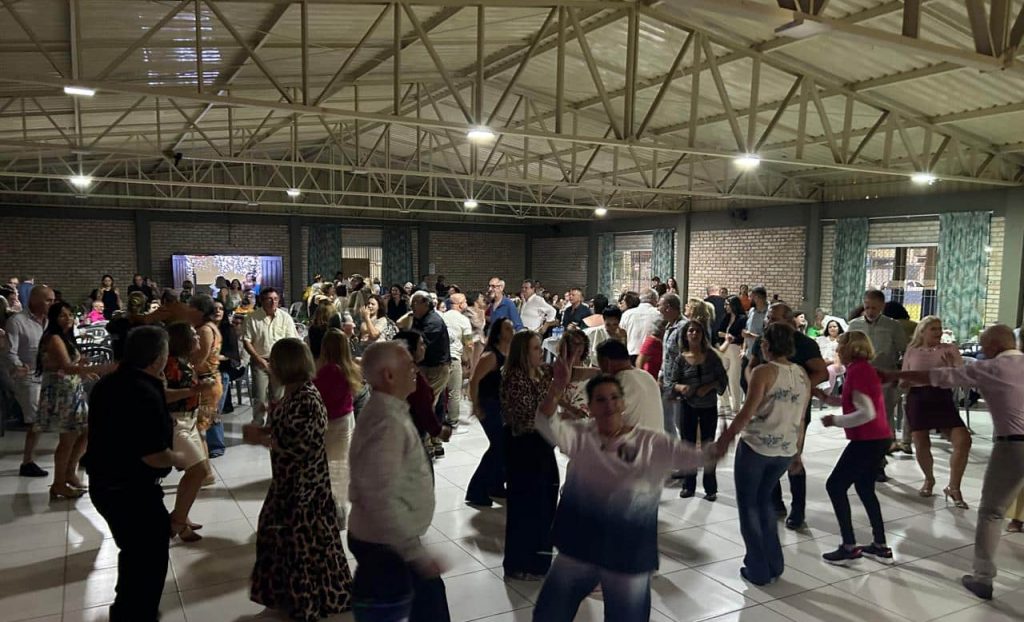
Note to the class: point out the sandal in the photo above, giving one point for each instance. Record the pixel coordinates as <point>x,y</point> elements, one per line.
<point>926,490</point>
<point>183,531</point>
<point>958,498</point>
<point>65,492</point>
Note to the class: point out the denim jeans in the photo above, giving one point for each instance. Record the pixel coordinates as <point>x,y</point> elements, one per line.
<point>386,588</point>
<point>670,411</point>
<point>756,476</point>
<point>215,433</point>
<point>626,596</point>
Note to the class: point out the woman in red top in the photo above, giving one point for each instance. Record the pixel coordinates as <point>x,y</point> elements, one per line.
<point>651,350</point>
<point>338,379</point>
<point>868,430</point>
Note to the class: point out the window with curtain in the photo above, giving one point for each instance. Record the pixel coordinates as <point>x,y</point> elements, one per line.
<point>907,275</point>
<point>632,260</point>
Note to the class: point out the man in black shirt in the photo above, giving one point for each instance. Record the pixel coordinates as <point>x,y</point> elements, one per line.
<point>807,356</point>
<point>139,285</point>
<point>574,314</point>
<point>436,364</point>
<point>129,452</point>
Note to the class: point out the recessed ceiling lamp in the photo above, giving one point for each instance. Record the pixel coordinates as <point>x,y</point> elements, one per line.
<point>359,171</point>
<point>470,204</point>
<point>293,192</point>
<point>601,212</point>
<point>480,134</point>
<point>747,161</point>
<point>80,181</point>
<point>79,91</point>
<point>252,204</point>
<point>924,179</point>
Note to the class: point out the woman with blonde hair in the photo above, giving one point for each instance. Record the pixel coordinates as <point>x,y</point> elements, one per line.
<point>699,311</point>
<point>868,430</point>
<point>338,379</point>
<point>300,567</point>
<point>930,408</point>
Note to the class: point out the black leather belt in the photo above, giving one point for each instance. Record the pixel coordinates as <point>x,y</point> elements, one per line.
<point>1012,437</point>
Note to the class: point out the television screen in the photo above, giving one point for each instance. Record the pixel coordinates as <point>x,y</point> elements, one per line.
<point>253,271</point>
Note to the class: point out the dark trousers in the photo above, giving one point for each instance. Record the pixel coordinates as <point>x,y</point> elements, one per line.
<point>140,525</point>
<point>797,486</point>
<point>532,496</point>
<point>387,589</point>
<point>857,467</point>
<point>489,477</point>
<point>707,420</point>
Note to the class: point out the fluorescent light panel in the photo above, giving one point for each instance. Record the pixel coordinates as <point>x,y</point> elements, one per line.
<point>81,91</point>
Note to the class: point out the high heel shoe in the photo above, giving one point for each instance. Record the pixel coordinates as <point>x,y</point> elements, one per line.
<point>67,492</point>
<point>926,490</point>
<point>958,499</point>
<point>183,531</point>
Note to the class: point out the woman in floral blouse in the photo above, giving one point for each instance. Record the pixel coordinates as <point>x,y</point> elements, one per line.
<point>531,469</point>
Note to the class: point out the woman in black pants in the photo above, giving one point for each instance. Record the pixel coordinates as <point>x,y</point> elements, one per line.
<point>485,393</point>
<point>868,430</point>
<point>699,379</point>
<point>531,469</point>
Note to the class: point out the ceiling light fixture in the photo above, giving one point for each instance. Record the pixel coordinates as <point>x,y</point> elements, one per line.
<point>80,91</point>
<point>747,161</point>
<point>924,179</point>
<point>480,134</point>
<point>293,192</point>
<point>600,212</point>
<point>470,204</point>
<point>252,204</point>
<point>359,171</point>
<point>80,181</point>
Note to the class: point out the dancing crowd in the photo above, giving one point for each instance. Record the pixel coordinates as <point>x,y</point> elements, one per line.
<point>356,390</point>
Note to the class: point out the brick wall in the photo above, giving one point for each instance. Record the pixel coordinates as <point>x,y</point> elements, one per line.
<point>828,251</point>
<point>470,259</point>
<point>170,238</point>
<point>560,263</point>
<point>773,257</point>
<point>69,255</point>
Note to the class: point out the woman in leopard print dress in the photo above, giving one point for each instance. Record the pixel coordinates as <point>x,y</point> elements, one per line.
<point>300,563</point>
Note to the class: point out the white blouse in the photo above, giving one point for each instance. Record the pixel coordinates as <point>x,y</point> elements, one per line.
<point>775,428</point>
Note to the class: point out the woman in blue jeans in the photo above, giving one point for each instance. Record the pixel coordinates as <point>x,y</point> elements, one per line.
<point>770,427</point>
<point>485,393</point>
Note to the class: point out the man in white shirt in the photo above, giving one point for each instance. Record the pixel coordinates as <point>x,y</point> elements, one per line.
<point>392,494</point>
<point>641,396</point>
<point>263,328</point>
<point>24,331</point>
<point>537,315</point>
<point>639,322</point>
<point>460,337</point>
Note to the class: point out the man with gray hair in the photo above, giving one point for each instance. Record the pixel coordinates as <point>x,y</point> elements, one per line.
<point>24,331</point>
<point>460,337</point>
<point>639,322</point>
<point>392,494</point>
<point>426,320</point>
<point>500,305</point>
<point>671,309</point>
<point>998,377</point>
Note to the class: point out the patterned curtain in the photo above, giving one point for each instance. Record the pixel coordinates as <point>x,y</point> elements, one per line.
<point>849,265</point>
<point>606,263</point>
<point>396,250</point>
<point>663,253</point>
<point>324,250</point>
<point>961,269</point>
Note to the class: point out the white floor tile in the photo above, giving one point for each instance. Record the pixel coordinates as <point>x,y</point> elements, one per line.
<point>480,594</point>
<point>687,595</point>
<point>834,605</point>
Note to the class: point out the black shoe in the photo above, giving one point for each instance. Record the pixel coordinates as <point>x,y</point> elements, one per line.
<point>438,452</point>
<point>781,511</point>
<point>842,556</point>
<point>711,496</point>
<point>746,577</point>
<point>31,469</point>
<point>881,554</point>
<point>685,493</point>
<point>498,494</point>
<point>228,410</point>
<point>881,477</point>
<point>216,453</point>
<point>479,503</point>
<point>979,589</point>
<point>795,524</point>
